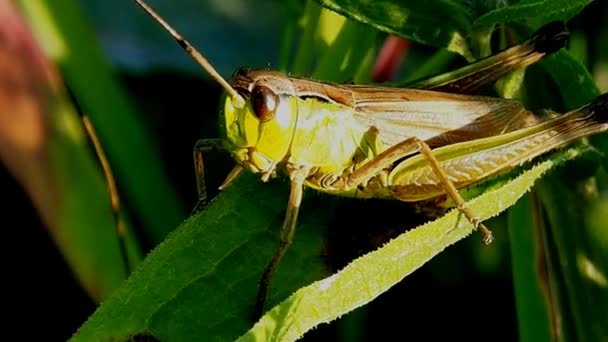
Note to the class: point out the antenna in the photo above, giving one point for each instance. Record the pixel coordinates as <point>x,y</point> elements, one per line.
<point>237,99</point>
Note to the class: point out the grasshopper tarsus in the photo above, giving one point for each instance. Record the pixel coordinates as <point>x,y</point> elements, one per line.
<point>551,37</point>
<point>488,237</point>
<point>201,204</point>
<point>203,200</point>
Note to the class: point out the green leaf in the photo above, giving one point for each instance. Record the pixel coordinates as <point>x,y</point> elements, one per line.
<point>535,12</point>
<point>202,280</point>
<point>575,83</point>
<point>441,24</point>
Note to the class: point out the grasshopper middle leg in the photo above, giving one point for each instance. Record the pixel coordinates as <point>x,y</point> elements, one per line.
<point>297,177</point>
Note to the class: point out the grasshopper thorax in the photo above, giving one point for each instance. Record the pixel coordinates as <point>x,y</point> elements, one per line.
<point>259,134</point>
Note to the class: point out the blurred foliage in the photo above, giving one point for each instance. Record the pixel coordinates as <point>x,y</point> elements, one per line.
<point>544,277</point>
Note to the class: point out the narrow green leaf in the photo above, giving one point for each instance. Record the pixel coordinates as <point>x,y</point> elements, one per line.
<point>529,276</point>
<point>572,198</point>
<point>342,58</point>
<point>580,257</point>
<point>44,146</point>
<point>568,199</point>
<point>308,46</point>
<point>60,27</point>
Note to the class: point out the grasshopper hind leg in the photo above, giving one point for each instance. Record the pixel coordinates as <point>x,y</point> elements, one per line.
<point>407,148</point>
<point>453,193</point>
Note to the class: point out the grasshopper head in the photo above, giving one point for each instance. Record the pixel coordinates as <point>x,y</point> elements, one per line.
<point>259,114</point>
<point>259,134</point>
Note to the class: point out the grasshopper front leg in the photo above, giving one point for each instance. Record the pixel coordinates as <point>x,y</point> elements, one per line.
<point>406,148</point>
<point>204,146</point>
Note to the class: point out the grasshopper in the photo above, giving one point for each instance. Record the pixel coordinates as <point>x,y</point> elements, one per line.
<point>411,144</point>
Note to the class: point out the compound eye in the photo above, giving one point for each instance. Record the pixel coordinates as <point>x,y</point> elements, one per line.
<point>264,102</point>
